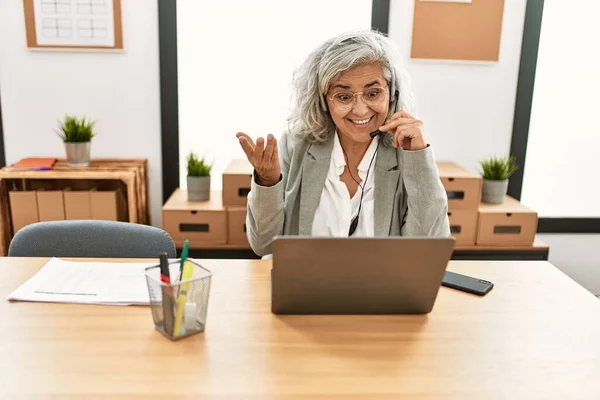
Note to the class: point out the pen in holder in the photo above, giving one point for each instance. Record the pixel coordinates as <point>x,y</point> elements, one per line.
<point>179,309</point>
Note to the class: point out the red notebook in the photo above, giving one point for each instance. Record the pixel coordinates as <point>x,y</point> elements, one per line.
<point>33,164</point>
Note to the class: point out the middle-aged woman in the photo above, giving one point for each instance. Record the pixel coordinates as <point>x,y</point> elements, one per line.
<point>333,173</point>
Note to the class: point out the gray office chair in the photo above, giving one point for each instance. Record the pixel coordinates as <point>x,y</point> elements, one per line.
<point>91,238</point>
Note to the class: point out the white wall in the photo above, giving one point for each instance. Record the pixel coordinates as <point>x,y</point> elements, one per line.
<point>577,256</point>
<point>119,90</point>
<point>561,172</point>
<point>236,59</point>
<point>467,108</point>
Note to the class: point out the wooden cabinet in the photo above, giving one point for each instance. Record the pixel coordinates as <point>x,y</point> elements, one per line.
<point>126,177</point>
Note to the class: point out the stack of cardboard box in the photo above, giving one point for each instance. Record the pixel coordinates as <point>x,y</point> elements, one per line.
<point>221,221</point>
<point>473,223</point>
<point>506,224</point>
<point>27,207</point>
<point>236,186</point>
<point>202,222</point>
<point>218,222</point>
<point>464,195</point>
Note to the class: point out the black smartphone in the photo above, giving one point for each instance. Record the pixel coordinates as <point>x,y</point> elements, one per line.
<point>466,283</point>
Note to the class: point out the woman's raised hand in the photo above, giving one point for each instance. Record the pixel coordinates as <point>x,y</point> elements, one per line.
<point>264,158</point>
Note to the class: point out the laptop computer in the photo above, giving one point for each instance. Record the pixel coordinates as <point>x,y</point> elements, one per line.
<point>376,275</point>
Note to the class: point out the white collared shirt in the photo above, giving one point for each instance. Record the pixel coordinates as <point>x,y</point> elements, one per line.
<point>336,209</point>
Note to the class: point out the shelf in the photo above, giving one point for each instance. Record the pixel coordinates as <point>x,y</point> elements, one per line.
<point>537,245</point>
<point>538,251</point>
<point>131,173</point>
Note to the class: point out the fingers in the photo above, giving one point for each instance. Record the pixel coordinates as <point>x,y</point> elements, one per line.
<point>254,151</point>
<point>268,154</point>
<point>264,157</point>
<point>401,114</point>
<point>392,124</point>
<point>409,137</point>
<point>398,119</point>
<point>404,137</point>
<point>243,135</point>
<point>405,114</point>
<point>247,147</point>
<point>415,124</point>
<point>407,131</point>
<point>259,150</point>
<point>275,157</point>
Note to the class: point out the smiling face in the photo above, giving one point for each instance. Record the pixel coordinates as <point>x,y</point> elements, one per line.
<point>362,115</point>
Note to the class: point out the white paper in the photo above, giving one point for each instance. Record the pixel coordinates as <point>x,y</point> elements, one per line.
<point>74,22</point>
<point>62,281</point>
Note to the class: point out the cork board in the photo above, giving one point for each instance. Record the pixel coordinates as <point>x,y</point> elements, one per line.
<point>457,31</point>
<point>73,24</point>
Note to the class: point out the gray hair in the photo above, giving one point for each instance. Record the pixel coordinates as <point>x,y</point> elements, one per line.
<point>346,51</point>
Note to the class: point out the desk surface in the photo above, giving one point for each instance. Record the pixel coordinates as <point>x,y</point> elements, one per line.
<point>536,335</point>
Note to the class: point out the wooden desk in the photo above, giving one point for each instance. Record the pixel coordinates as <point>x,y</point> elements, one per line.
<point>537,251</point>
<point>536,335</point>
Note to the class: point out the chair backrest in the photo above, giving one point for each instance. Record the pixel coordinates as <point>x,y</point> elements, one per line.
<point>91,238</point>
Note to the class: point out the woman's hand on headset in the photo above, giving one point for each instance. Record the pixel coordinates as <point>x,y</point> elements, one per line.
<point>407,131</point>
<point>264,159</point>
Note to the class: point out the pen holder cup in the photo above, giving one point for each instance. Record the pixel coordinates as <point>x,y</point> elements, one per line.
<point>179,309</point>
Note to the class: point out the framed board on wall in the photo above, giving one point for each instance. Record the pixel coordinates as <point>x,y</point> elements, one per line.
<point>73,24</point>
<point>457,30</point>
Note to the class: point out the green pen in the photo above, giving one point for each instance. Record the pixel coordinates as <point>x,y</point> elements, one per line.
<point>184,255</point>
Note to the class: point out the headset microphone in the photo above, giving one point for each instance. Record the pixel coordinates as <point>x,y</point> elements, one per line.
<point>378,132</point>
<point>354,222</point>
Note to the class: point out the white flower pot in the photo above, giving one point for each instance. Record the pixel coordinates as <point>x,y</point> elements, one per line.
<point>198,188</point>
<point>78,153</point>
<point>494,191</point>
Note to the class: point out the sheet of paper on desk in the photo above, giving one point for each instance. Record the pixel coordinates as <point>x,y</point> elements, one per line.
<point>62,281</point>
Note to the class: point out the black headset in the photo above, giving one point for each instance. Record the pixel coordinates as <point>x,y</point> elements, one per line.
<point>354,223</point>
<point>378,132</point>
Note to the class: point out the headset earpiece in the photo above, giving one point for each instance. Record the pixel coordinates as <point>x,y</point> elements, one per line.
<point>393,91</point>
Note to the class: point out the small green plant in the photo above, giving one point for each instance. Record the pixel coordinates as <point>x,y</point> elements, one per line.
<point>197,166</point>
<point>75,130</point>
<point>498,168</point>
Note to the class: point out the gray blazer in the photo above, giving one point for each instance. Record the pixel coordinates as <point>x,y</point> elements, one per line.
<point>409,197</point>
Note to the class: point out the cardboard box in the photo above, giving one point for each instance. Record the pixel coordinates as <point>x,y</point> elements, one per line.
<point>51,205</point>
<point>509,223</point>
<point>462,187</point>
<point>201,222</point>
<point>463,226</point>
<point>236,229</point>
<point>108,205</point>
<point>236,183</point>
<point>23,209</point>
<point>77,204</point>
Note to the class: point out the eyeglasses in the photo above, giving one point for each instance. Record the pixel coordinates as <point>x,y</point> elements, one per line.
<point>345,100</point>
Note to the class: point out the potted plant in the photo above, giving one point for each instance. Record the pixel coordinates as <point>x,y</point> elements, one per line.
<point>495,172</point>
<point>77,135</point>
<point>198,178</point>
